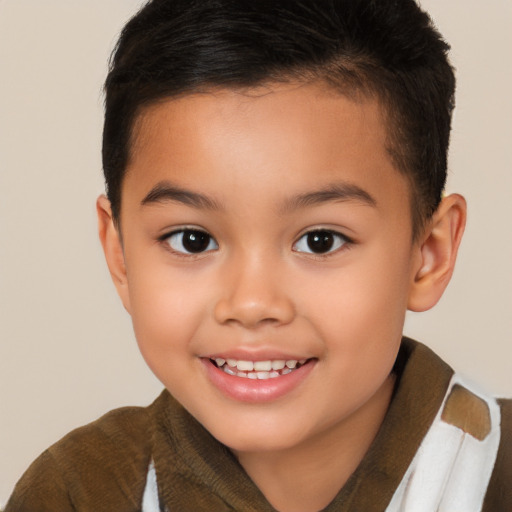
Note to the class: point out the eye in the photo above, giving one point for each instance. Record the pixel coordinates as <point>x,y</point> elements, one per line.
<point>320,241</point>
<point>191,241</point>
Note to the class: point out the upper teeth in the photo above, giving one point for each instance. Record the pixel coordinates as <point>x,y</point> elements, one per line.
<point>259,366</point>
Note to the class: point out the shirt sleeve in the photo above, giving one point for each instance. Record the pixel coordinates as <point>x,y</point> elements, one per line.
<point>41,489</point>
<point>100,467</point>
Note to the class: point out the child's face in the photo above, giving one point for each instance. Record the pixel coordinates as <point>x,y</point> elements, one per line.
<point>267,226</point>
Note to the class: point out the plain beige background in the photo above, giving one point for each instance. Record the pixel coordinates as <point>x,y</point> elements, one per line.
<point>67,353</point>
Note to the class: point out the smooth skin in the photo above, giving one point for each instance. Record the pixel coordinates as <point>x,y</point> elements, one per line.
<point>256,171</point>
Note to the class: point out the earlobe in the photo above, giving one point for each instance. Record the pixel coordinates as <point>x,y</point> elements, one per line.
<point>438,253</point>
<point>113,249</point>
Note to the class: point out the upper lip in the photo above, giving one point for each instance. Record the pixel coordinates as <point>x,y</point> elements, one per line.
<point>259,355</point>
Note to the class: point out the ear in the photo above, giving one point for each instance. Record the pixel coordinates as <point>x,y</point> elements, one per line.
<point>437,253</point>
<point>110,238</point>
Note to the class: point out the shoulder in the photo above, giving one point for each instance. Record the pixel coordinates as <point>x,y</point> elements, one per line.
<point>499,493</point>
<point>98,467</point>
<point>117,434</point>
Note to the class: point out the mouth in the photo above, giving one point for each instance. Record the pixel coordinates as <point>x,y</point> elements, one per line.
<point>258,370</point>
<point>257,381</point>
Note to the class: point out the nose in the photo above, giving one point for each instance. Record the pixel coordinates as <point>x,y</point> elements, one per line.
<point>253,294</point>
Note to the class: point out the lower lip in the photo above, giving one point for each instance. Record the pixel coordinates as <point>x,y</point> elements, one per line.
<point>256,391</point>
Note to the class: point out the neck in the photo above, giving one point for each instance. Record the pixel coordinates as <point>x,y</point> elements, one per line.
<point>306,478</point>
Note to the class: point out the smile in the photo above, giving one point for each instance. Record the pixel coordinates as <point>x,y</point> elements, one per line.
<point>258,370</point>
<point>259,381</point>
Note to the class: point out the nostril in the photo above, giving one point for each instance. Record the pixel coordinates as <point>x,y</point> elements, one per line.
<point>253,313</point>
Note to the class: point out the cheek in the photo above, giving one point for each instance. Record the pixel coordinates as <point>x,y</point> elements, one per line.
<point>166,311</point>
<point>360,309</point>
<point>355,295</point>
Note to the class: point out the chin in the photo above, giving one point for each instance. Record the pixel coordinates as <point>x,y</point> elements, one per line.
<point>258,438</point>
<point>261,445</point>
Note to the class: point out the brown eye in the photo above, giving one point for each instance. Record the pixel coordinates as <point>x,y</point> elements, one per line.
<point>320,241</point>
<point>191,241</point>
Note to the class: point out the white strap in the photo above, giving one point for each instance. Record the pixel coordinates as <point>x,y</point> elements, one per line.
<point>452,469</point>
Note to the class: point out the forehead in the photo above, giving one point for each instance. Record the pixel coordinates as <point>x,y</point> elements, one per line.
<point>289,136</point>
<point>306,105</point>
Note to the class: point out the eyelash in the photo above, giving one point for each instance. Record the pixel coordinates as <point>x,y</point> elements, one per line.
<point>328,239</point>
<point>200,235</point>
<point>332,241</point>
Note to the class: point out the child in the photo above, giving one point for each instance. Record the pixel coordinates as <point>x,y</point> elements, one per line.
<point>274,176</point>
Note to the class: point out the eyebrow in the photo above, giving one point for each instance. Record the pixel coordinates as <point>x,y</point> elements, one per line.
<point>165,191</point>
<point>335,192</point>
